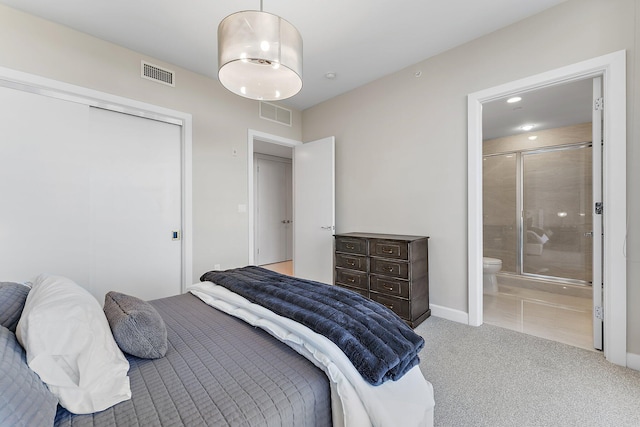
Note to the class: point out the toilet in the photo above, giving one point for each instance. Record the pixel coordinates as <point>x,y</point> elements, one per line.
<point>490,266</point>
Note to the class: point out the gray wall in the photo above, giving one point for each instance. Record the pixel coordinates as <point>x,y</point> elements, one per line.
<point>401,141</point>
<point>220,121</point>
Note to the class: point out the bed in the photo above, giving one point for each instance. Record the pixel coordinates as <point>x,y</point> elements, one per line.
<point>220,369</point>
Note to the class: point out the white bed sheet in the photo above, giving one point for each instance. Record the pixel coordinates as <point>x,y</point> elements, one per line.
<point>406,402</point>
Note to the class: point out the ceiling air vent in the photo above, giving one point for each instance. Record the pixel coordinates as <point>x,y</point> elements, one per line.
<point>157,74</point>
<point>275,113</point>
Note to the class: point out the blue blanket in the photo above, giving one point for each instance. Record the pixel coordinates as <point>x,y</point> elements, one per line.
<point>380,345</point>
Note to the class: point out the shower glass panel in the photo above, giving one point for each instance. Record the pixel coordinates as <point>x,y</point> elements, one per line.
<point>557,214</point>
<point>500,209</point>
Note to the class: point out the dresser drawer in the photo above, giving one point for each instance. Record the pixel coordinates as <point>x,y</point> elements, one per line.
<point>388,286</point>
<point>398,306</point>
<point>389,249</point>
<point>354,262</point>
<point>387,267</point>
<point>351,245</point>
<point>352,279</point>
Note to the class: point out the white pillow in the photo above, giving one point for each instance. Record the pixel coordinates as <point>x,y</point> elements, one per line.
<point>70,346</point>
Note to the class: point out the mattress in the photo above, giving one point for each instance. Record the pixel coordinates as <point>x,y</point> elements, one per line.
<point>218,371</point>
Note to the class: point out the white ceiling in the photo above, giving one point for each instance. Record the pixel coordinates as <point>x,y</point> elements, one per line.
<point>359,40</point>
<point>547,108</point>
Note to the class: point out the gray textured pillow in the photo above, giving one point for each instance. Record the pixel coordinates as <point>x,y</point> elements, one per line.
<point>12,298</point>
<point>24,399</point>
<point>136,326</point>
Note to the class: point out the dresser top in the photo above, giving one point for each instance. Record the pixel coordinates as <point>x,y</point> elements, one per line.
<point>381,236</point>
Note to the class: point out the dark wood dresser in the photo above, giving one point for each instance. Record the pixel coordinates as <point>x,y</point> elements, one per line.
<point>388,268</point>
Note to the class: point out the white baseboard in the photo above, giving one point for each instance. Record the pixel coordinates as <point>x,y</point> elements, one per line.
<point>449,314</point>
<point>633,360</point>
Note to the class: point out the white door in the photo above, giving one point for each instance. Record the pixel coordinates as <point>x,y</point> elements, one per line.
<point>44,183</point>
<point>89,194</point>
<point>314,209</point>
<point>273,213</point>
<point>135,205</point>
<point>597,217</point>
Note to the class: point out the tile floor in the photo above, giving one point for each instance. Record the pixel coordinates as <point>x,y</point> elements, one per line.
<point>564,315</point>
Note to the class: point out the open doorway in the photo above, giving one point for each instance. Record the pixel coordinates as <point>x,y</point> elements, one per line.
<point>541,237</point>
<point>273,206</point>
<point>271,201</point>
<point>612,69</point>
<point>313,221</point>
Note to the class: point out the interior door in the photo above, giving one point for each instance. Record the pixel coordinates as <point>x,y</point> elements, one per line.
<point>314,209</point>
<point>273,216</point>
<point>44,183</point>
<point>597,214</point>
<point>135,205</point>
<point>89,194</point>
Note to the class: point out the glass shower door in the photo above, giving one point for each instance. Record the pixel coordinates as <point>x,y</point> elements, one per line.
<point>556,217</point>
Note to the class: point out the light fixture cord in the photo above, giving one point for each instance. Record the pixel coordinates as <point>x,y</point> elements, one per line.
<point>260,5</point>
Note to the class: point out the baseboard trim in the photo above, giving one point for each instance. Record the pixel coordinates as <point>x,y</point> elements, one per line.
<point>449,314</point>
<point>633,360</point>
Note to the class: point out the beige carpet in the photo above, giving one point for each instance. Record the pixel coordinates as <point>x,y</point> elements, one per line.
<point>489,376</point>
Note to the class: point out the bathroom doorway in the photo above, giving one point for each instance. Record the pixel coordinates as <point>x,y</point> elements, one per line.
<point>613,288</point>
<point>538,220</point>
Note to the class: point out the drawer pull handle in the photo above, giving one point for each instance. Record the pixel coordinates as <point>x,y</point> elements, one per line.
<point>389,306</point>
<point>389,288</point>
<point>387,251</point>
<point>389,268</point>
<point>350,246</point>
<point>351,262</point>
<point>351,279</point>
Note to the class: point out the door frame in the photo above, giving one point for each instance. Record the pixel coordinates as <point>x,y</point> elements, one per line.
<point>612,68</point>
<point>53,88</point>
<point>253,135</point>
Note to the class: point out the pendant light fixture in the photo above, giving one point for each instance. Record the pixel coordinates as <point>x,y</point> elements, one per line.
<point>259,55</point>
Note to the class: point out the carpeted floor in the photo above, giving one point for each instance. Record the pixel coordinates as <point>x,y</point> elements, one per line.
<point>490,376</point>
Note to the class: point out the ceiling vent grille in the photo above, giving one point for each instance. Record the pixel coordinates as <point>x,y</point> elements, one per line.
<point>157,74</point>
<point>275,113</point>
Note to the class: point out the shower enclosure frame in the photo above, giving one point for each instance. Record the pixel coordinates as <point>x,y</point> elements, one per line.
<point>520,209</point>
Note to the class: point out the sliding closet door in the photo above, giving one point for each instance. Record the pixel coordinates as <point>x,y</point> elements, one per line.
<point>89,194</point>
<point>135,204</point>
<point>44,184</point>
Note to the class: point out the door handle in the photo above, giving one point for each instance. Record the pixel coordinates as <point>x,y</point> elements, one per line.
<point>588,234</point>
<point>329,227</point>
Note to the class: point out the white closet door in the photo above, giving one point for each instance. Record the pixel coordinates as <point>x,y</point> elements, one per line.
<point>44,187</point>
<point>88,194</point>
<point>135,204</point>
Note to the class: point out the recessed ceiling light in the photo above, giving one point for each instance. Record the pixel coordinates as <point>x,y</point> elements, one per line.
<point>330,75</point>
<point>527,127</point>
<point>533,137</point>
<point>514,99</point>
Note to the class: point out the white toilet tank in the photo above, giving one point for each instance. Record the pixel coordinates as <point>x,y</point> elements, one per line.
<point>491,261</point>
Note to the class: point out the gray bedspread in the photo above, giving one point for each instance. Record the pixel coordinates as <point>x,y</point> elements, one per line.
<point>218,371</point>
